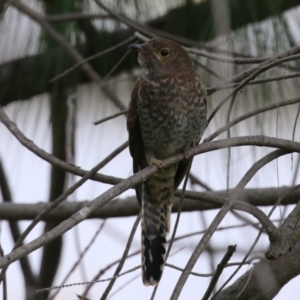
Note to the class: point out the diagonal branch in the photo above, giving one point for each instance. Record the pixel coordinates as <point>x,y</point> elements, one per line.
<point>97,203</point>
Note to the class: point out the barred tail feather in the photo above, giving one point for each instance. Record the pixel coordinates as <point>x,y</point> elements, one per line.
<point>153,259</point>
<point>155,227</point>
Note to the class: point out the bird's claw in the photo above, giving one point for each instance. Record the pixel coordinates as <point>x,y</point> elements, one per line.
<point>157,163</point>
<point>187,153</point>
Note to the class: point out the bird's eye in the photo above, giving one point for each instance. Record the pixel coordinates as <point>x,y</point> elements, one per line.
<point>164,52</point>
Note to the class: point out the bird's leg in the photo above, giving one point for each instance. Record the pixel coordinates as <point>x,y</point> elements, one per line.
<point>154,161</point>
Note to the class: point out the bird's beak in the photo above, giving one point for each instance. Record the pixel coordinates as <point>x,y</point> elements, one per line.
<point>137,47</point>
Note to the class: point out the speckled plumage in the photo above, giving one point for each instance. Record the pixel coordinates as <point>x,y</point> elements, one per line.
<point>167,114</point>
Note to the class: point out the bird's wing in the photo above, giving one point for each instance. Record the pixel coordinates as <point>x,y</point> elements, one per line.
<point>181,172</point>
<point>135,136</point>
<point>184,164</point>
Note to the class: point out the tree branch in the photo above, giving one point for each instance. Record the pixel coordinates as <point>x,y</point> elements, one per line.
<point>259,140</point>
<point>115,191</point>
<point>267,277</point>
<point>129,207</point>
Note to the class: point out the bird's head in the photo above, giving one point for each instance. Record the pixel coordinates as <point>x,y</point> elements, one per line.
<point>160,55</point>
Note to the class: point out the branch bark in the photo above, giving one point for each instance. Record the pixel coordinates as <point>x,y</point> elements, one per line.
<point>129,207</point>
<point>268,276</point>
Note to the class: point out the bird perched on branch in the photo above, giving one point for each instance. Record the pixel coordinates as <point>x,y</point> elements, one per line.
<point>167,115</point>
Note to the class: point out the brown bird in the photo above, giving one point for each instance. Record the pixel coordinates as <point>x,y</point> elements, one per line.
<point>167,115</point>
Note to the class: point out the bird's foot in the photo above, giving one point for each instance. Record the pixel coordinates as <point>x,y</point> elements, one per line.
<point>158,163</point>
<point>187,153</point>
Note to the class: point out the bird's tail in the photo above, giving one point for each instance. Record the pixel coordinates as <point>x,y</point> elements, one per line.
<point>155,227</point>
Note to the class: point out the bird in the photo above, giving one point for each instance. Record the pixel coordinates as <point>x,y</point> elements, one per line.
<point>166,115</point>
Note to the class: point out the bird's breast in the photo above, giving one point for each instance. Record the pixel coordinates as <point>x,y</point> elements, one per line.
<point>169,117</point>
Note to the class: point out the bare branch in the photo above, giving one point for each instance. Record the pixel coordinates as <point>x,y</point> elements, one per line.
<point>202,148</point>
<point>249,115</point>
<point>267,277</point>
<point>117,190</point>
<point>74,17</point>
<point>82,254</point>
<point>111,117</point>
<point>250,74</point>
<point>66,72</point>
<point>217,274</point>
<point>195,180</point>
<point>124,256</point>
<point>129,206</point>
<point>84,283</point>
<point>252,82</point>
<point>49,157</point>
<point>4,283</point>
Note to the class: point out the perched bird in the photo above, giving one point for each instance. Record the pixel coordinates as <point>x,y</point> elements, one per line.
<point>167,115</point>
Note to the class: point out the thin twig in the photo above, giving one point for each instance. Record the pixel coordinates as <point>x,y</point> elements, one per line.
<point>29,144</point>
<point>192,273</point>
<point>101,272</point>
<point>82,254</point>
<point>208,69</point>
<point>126,284</point>
<point>228,136</point>
<point>249,115</point>
<point>280,58</point>
<point>84,283</point>
<point>256,239</point>
<point>238,61</point>
<point>4,283</point>
<point>82,297</point>
<point>117,65</point>
<point>293,136</point>
<point>239,205</point>
<point>246,220</point>
<point>66,72</point>
<point>70,190</point>
<point>125,111</point>
<point>252,82</point>
<point>217,274</point>
<point>295,123</point>
<point>62,197</point>
<point>124,256</point>
<point>254,73</point>
<point>209,248</point>
<point>67,17</point>
<point>196,180</point>
<point>202,45</point>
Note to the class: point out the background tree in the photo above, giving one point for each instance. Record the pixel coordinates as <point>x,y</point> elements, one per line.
<point>67,62</point>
